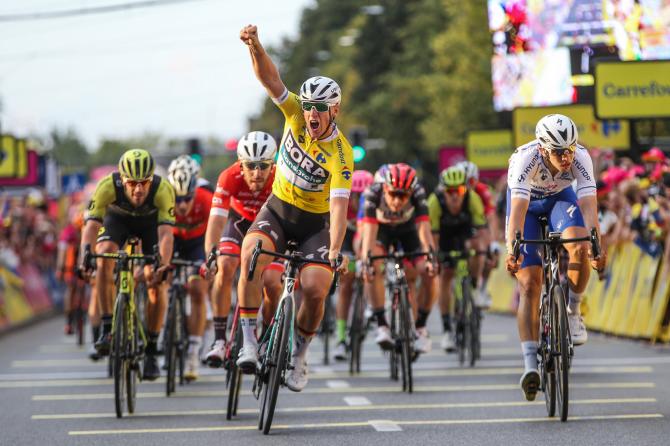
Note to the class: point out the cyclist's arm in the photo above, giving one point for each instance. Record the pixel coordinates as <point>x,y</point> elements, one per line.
<point>215,225</point>
<point>589,207</point>
<point>165,243</point>
<point>103,196</point>
<point>89,234</point>
<point>517,217</point>
<point>368,237</point>
<point>265,70</point>
<point>425,235</point>
<point>338,222</point>
<point>218,213</point>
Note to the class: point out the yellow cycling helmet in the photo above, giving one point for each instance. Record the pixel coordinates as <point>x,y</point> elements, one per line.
<point>136,164</point>
<point>453,176</point>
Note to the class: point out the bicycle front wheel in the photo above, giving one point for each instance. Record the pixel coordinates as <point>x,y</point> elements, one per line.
<point>235,377</point>
<point>470,335</point>
<point>356,331</point>
<point>277,364</point>
<point>133,365</point>
<point>118,354</point>
<point>546,364</point>
<point>171,344</point>
<point>407,342</point>
<point>562,353</point>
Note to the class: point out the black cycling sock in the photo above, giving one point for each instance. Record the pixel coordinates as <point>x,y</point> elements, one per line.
<point>106,323</point>
<point>220,326</point>
<point>380,315</point>
<point>95,329</point>
<point>422,318</point>
<point>446,322</point>
<point>152,341</point>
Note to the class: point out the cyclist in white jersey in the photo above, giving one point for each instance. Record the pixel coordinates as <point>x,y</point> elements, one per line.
<point>539,183</point>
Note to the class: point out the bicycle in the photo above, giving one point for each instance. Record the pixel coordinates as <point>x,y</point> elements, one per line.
<point>326,329</point>
<point>467,316</point>
<point>127,352</point>
<point>276,344</point>
<point>176,330</point>
<point>402,320</point>
<point>555,347</point>
<point>79,296</point>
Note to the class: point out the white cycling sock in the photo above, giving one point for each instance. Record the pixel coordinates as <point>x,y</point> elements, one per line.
<point>529,349</point>
<point>194,343</point>
<point>301,344</point>
<point>248,325</point>
<point>575,300</point>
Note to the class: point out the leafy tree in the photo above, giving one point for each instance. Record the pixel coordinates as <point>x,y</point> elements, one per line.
<point>68,149</point>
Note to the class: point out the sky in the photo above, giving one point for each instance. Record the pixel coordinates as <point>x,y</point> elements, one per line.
<point>179,70</point>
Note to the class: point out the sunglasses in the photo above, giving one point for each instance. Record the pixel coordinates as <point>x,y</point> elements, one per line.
<point>397,193</point>
<point>319,106</point>
<point>133,184</point>
<point>560,152</point>
<point>184,199</point>
<point>459,190</point>
<point>253,165</point>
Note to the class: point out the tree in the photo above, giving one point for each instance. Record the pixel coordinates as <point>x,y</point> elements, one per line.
<point>68,149</point>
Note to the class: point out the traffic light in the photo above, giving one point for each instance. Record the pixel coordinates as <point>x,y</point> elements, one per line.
<point>358,137</point>
<point>194,146</point>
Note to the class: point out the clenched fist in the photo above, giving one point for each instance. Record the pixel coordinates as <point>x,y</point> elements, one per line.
<point>249,35</point>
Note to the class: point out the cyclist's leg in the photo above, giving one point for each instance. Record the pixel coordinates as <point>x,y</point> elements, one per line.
<point>344,297</point>
<point>113,235</point>
<point>267,229</point>
<point>566,217</point>
<point>193,250</point>
<point>479,241</point>
<point>375,290</point>
<point>448,342</point>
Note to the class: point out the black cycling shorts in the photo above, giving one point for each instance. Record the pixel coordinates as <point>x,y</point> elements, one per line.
<point>283,222</point>
<point>119,228</point>
<point>348,243</point>
<point>404,237</point>
<point>234,232</point>
<point>190,249</point>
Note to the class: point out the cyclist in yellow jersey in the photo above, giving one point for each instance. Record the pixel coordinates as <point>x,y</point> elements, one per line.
<point>132,202</point>
<point>308,204</point>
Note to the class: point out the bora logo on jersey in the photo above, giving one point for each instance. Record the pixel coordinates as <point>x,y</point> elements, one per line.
<point>295,162</point>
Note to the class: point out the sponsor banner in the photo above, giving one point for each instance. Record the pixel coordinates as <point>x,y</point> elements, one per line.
<point>13,157</point>
<point>489,150</point>
<point>633,89</point>
<point>23,295</point>
<point>611,133</point>
<point>448,156</point>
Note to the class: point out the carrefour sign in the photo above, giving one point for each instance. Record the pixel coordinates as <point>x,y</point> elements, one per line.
<point>633,89</point>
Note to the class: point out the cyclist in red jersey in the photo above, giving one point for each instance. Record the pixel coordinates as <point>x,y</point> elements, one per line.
<point>240,192</point>
<point>191,211</point>
<point>66,261</point>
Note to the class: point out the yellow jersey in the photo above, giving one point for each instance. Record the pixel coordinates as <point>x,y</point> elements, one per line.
<point>109,197</point>
<point>310,171</point>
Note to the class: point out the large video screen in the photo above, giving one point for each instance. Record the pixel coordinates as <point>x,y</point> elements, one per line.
<point>534,25</point>
<point>531,79</point>
<point>640,28</point>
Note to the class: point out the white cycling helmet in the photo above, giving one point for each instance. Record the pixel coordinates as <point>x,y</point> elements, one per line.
<point>256,146</point>
<point>471,170</point>
<point>556,132</point>
<point>321,89</point>
<point>185,162</point>
<point>181,176</point>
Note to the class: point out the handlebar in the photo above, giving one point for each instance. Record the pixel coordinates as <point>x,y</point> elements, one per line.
<point>90,265</point>
<point>292,256</point>
<point>592,238</point>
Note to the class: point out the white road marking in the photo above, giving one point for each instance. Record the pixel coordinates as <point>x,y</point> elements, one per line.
<point>385,426</point>
<point>357,401</point>
<point>337,384</point>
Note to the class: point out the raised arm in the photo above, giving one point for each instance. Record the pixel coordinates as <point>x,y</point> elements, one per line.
<point>266,71</point>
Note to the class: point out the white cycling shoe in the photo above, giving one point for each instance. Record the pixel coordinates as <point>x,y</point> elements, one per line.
<point>448,342</point>
<point>422,344</point>
<point>297,378</point>
<point>247,359</point>
<point>192,365</point>
<point>577,329</point>
<point>217,354</point>
<point>383,337</point>
<point>340,351</point>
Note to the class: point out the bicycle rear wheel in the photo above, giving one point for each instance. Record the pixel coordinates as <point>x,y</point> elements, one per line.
<point>562,354</point>
<point>235,380</point>
<point>118,354</point>
<point>406,342</point>
<point>171,344</point>
<point>278,362</point>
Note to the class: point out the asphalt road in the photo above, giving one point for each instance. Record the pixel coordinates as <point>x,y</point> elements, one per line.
<point>51,394</point>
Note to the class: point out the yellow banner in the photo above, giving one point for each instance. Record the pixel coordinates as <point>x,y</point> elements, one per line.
<point>613,134</point>
<point>13,157</point>
<point>489,149</point>
<point>633,89</point>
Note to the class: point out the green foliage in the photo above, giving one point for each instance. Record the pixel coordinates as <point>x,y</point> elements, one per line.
<point>68,149</point>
